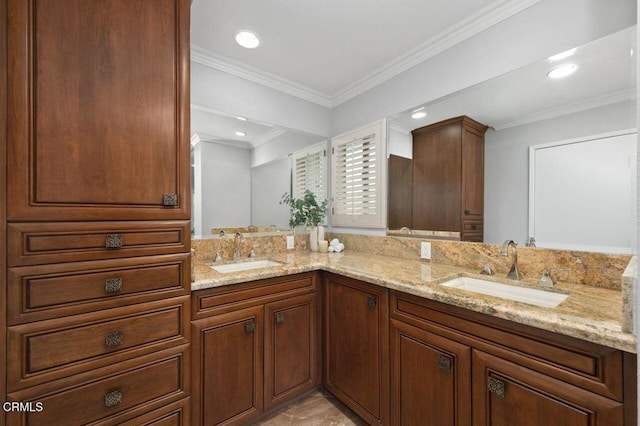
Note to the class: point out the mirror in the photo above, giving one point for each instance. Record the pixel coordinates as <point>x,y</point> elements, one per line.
<point>525,108</point>
<point>240,169</point>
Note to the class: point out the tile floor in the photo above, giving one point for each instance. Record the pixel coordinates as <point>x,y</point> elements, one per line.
<point>315,409</point>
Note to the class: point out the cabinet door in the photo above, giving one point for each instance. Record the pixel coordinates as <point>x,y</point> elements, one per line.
<point>437,178</point>
<point>356,344</point>
<point>98,98</point>
<point>430,378</point>
<point>472,174</point>
<point>291,344</point>
<point>502,390</point>
<point>227,367</point>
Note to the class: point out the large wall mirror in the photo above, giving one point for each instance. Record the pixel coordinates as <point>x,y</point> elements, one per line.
<point>240,170</point>
<point>524,109</point>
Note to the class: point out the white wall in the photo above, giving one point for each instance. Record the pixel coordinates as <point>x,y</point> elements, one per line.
<point>281,146</point>
<point>547,27</point>
<point>225,193</point>
<point>400,143</point>
<point>507,163</point>
<point>227,93</point>
<point>268,183</point>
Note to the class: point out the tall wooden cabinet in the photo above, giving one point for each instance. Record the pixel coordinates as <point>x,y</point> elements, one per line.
<point>97,232</point>
<point>448,177</point>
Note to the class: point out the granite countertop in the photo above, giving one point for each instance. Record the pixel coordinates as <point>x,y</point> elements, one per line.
<point>589,313</point>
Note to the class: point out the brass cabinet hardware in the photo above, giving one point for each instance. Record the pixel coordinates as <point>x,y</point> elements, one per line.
<point>169,199</point>
<point>444,363</point>
<point>112,285</point>
<point>112,399</point>
<point>113,339</point>
<point>113,241</point>
<point>279,318</point>
<point>496,386</point>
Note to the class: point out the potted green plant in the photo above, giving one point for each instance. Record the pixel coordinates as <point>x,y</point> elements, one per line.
<point>308,212</point>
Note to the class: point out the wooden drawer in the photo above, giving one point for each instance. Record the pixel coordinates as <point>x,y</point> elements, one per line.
<point>48,291</point>
<point>239,296</point>
<point>174,414</point>
<point>47,350</point>
<point>587,365</point>
<point>156,381</point>
<point>472,226</point>
<point>42,243</point>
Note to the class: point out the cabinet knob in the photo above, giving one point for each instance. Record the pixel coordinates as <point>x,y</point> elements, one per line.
<point>467,211</point>
<point>169,199</point>
<point>444,363</point>
<point>113,241</point>
<point>112,399</point>
<point>496,387</point>
<point>279,318</point>
<point>250,327</point>
<point>372,301</point>
<point>112,285</point>
<point>113,339</point>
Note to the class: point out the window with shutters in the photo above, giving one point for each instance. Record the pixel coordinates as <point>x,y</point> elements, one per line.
<point>310,171</point>
<point>358,170</point>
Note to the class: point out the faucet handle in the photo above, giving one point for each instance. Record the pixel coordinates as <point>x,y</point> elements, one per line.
<point>487,270</point>
<point>218,257</point>
<point>546,279</point>
<point>252,253</point>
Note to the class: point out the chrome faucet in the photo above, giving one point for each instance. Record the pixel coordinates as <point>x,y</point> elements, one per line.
<point>236,245</point>
<point>504,251</point>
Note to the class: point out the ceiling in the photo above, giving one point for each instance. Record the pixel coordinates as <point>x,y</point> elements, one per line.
<point>334,49</point>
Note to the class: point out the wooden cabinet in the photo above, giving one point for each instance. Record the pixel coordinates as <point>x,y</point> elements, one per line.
<point>430,378</point>
<point>255,346</point>
<point>100,129</point>
<point>505,393</point>
<point>501,373</point>
<point>448,177</point>
<point>356,346</point>
<point>95,211</point>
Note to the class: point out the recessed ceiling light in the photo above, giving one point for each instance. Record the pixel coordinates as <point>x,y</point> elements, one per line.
<point>241,118</point>
<point>562,71</point>
<point>562,55</point>
<point>241,134</point>
<point>418,115</point>
<point>247,39</point>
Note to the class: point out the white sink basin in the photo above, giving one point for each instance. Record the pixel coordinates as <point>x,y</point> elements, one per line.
<point>245,266</point>
<point>531,296</point>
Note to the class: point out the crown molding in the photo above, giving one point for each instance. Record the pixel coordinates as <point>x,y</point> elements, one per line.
<point>483,19</point>
<point>209,59</point>
<point>202,137</point>
<point>266,137</point>
<point>599,101</point>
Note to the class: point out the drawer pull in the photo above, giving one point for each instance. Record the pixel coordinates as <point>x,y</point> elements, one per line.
<point>113,241</point>
<point>112,285</point>
<point>279,318</point>
<point>496,386</point>
<point>169,199</point>
<point>372,301</point>
<point>250,327</point>
<point>444,363</point>
<point>467,211</point>
<point>113,339</point>
<point>112,399</point>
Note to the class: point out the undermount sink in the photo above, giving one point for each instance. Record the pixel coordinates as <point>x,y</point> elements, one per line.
<point>532,296</point>
<point>245,266</point>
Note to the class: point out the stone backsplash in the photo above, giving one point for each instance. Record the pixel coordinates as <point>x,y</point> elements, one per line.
<point>206,248</point>
<point>593,269</point>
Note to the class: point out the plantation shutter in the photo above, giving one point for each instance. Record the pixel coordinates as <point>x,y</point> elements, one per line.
<point>358,195</point>
<point>310,171</point>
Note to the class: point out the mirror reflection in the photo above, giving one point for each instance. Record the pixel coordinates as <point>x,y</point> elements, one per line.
<point>240,169</point>
<point>527,108</point>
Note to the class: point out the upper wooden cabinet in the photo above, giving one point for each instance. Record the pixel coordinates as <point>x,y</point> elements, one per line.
<point>448,177</point>
<point>98,108</point>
